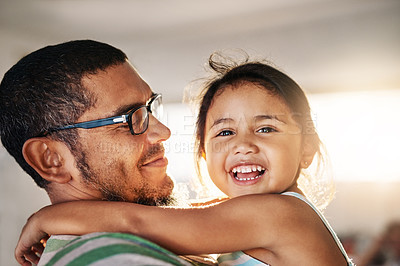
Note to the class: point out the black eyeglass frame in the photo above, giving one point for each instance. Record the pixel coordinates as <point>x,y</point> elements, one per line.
<point>125,118</point>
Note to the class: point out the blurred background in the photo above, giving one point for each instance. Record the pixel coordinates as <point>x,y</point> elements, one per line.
<point>344,54</point>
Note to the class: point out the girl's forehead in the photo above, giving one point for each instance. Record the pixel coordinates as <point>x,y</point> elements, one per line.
<point>247,97</point>
<point>248,104</point>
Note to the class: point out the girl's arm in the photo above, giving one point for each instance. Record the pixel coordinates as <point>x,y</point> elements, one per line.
<point>207,202</point>
<point>238,224</point>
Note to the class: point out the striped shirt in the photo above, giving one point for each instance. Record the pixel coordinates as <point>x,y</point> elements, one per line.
<point>106,249</point>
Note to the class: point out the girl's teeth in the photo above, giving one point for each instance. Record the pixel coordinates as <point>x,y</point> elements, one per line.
<point>247,169</point>
<point>247,179</point>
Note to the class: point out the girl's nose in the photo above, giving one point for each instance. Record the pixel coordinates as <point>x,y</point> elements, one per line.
<point>245,145</point>
<point>157,131</point>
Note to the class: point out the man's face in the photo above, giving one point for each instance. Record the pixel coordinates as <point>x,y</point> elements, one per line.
<point>122,166</point>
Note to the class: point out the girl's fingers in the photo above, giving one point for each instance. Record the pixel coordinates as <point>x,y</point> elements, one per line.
<point>32,257</point>
<point>38,248</point>
<point>23,261</point>
<point>25,257</point>
<point>19,254</point>
<point>44,240</point>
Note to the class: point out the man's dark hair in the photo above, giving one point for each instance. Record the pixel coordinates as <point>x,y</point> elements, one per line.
<point>44,90</point>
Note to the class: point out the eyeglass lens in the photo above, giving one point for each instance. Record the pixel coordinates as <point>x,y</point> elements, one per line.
<point>157,108</point>
<point>140,118</point>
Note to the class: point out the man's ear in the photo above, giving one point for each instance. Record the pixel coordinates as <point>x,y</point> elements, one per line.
<point>48,158</point>
<point>309,150</point>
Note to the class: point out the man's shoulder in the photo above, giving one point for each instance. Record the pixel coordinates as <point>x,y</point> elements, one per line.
<point>106,249</point>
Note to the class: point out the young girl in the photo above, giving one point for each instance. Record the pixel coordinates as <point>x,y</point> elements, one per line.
<point>255,131</point>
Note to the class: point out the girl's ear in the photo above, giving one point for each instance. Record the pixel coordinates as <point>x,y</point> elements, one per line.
<point>47,157</point>
<point>309,150</point>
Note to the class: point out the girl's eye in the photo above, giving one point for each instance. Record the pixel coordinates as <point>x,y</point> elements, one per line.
<point>225,133</point>
<point>266,130</point>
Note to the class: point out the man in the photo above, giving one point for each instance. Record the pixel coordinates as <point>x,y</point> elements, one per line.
<point>82,123</point>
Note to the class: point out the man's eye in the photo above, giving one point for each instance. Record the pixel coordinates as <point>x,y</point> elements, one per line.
<point>225,133</point>
<point>266,130</point>
<point>123,125</point>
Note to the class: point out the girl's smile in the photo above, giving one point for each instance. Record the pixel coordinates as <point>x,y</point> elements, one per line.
<point>247,174</point>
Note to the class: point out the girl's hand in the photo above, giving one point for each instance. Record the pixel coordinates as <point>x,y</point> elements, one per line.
<point>30,243</point>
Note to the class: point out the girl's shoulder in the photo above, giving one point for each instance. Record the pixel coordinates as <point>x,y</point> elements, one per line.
<point>291,213</point>
<point>288,211</point>
<point>297,221</point>
<point>291,202</point>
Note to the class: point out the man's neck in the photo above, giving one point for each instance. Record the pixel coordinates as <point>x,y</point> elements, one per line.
<point>69,192</point>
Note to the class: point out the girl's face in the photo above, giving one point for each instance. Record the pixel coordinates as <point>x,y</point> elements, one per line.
<point>252,143</point>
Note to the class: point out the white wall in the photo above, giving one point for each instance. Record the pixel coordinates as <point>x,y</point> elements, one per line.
<point>19,198</point>
<point>364,208</point>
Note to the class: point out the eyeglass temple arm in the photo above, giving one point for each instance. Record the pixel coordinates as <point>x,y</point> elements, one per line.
<point>97,123</point>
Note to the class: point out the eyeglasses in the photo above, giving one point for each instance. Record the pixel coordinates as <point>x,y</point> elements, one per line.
<point>137,118</point>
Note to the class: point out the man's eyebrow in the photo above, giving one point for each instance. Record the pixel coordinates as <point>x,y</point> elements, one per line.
<point>268,117</point>
<point>126,108</point>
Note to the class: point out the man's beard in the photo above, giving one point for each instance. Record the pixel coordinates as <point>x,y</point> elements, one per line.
<point>163,201</point>
<point>112,192</point>
<point>143,195</point>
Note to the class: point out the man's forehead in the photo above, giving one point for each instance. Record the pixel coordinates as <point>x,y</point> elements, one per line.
<point>114,89</point>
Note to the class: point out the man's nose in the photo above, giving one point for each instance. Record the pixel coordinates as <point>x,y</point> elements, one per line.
<point>245,145</point>
<point>157,131</point>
